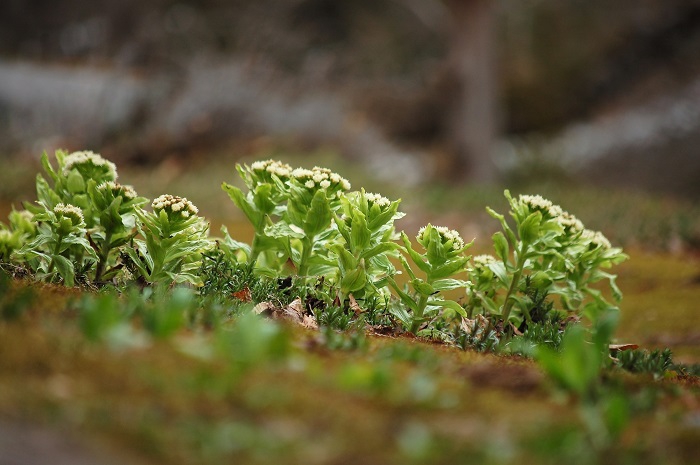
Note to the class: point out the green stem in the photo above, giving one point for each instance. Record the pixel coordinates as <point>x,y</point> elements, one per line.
<point>307,246</point>
<point>418,317</point>
<point>56,250</point>
<point>104,254</point>
<point>259,229</point>
<point>508,304</point>
<point>254,249</point>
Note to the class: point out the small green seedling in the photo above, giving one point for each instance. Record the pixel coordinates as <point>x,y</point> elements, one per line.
<point>116,207</point>
<point>549,250</point>
<point>175,238</point>
<point>442,260</point>
<point>60,243</point>
<point>291,213</point>
<point>366,226</point>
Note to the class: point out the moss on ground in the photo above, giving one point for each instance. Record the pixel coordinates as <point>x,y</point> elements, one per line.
<point>400,400</point>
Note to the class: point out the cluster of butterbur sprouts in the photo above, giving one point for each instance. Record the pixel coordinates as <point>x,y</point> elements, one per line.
<point>86,228</point>
<point>340,245</point>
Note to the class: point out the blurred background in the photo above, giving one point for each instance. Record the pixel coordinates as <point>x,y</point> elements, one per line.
<point>594,103</point>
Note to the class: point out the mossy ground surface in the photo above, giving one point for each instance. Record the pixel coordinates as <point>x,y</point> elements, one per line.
<point>398,400</point>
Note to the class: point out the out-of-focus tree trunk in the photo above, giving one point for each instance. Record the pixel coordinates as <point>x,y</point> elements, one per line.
<point>473,120</point>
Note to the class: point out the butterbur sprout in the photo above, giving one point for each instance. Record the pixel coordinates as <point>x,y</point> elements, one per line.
<point>72,212</point>
<point>9,242</point>
<point>279,169</point>
<point>570,223</point>
<point>118,190</point>
<point>538,203</point>
<point>90,165</point>
<point>321,177</point>
<point>596,239</point>
<point>449,237</point>
<point>480,269</point>
<point>483,261</point>
<point>174,205</point>
<point>22,220</point>
<point>377,199</point>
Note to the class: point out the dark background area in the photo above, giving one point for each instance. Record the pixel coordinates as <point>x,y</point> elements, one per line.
<point>143,80</point>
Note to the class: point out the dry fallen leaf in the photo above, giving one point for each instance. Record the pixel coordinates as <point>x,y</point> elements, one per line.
<point>264,308</point>
<point>309,322</point>
<point>293,312</point>
<point>479,321</point>
<point>243,295</point>
<point>354,306</point>
<point>616,347</point>
<point>297,306</point>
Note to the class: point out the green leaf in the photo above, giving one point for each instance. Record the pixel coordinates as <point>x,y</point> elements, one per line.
<point>541,280</point>
<point>529,229</point>
<point>283,230</point>
<point>143,262</point>
<point>386,217</point>
<point>435,252</point>
<point>500,243</point>
<point>450,305</point>
<point>401,314</point>
<point>75,182</point>
<point>262,198</point>
<point>504,225</point>
<point>489,304</point>
<point>450,268</point>
<point>353,281</point>
<point>65,269</point>
<point>343,227</point>
<point>405,298</point>
<point>239,198</point>
<point>346,260</point>
<point>605,326</point>
<point>233,245</point>
<point>45,194</point>
<point>318,218</point>
<point>577,367</point>
<point>379,249</point>
<point>80,241</point>
<point>360,233</point>
<point>422,287</point>
<point>407,267</point>
<point>415,256</point>
<point>47,166</point>
<point>448,284</point>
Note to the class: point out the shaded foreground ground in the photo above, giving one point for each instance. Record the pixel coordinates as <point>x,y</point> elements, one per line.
<point>392,400</point>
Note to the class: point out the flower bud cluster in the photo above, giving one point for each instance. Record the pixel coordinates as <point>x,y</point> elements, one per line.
<point>174,204</point>
<point>321,177</point>
<point>596,238</point>
<point>377,199</point>
<point>86,160</point>
<point>118,190</point>
<point>538,203</point>
<point>570,223</point>
<point>279,169</point>
<point>566,220</point>
<point>483,261</point>
<point>72,212</point>
<point>446,235</point>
